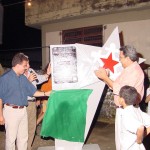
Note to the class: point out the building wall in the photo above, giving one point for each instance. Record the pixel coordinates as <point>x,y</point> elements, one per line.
<point>60,15</point>
<point>135,33</point>
<point>123,19</point>
<point>131,16</point>
<point>44,11</point>
<point>50,38</point>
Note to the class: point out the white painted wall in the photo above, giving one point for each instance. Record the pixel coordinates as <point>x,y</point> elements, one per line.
<point>136,33</point>
<point>51,38</point>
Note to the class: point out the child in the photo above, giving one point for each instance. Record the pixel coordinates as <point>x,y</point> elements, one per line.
<point>135,124</point>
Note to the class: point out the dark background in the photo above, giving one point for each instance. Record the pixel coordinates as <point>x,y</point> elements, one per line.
<point>17,37</point>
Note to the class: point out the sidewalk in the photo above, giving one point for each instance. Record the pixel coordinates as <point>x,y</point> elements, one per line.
<point>101,134</point>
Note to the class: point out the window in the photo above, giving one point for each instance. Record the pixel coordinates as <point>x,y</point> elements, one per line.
<point>86,35</point>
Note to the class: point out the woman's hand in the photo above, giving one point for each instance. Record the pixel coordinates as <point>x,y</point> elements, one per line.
<point>49,69</point>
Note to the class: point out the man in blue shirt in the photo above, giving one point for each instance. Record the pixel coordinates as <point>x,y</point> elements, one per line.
<point>14,89</point>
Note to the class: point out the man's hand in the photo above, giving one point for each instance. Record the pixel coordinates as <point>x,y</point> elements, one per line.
<point>32,77</point>
<point>101,73</point>
<point>2,120</point>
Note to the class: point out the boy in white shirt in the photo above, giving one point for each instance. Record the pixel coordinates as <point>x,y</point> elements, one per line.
<point>135,124</point>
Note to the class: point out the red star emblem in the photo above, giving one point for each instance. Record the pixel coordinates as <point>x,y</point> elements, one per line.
<point>109,63</point>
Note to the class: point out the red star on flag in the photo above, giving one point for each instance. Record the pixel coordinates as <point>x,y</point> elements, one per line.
<point>109,63</point>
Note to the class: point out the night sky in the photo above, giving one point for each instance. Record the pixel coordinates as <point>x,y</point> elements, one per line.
<point>15,34</point>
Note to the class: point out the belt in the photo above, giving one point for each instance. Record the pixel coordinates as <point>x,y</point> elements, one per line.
<point>15,106</point>
<point>31,100</point>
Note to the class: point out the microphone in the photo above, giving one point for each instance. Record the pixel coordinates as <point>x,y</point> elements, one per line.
<point>35,79</point>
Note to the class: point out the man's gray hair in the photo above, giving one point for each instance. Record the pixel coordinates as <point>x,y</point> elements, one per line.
<point>130,51</point>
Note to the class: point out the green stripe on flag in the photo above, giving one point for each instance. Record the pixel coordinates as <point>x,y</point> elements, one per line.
<point>65,117</point>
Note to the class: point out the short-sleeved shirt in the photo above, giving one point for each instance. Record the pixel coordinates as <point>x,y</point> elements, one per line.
<point>133,76</point>
<point>132,119</point>
<point>15,89</point>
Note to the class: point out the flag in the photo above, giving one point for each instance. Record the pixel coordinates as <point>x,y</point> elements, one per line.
<point>65,117</point>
